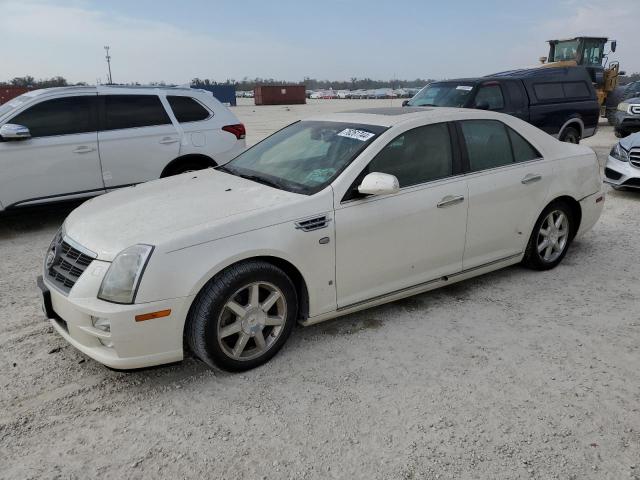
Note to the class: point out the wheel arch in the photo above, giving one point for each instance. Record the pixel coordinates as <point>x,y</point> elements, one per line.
<point>572,122</point>
<point>191,157</point>
<point>576,211</point>
<point>287,267</point>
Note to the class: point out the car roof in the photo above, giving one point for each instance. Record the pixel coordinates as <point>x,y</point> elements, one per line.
<point>111,89</point>
<point>388,117</point>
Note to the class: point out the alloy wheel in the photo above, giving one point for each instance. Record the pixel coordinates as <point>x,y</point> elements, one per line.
<point>553,236</point>
<point>251,321</point>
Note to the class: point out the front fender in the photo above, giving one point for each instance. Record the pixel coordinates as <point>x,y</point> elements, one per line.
<point>183,272</point>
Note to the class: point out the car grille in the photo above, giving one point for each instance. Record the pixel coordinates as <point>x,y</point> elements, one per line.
<point>634,157</point>
<point>634,109</point>
<point>65,263</point>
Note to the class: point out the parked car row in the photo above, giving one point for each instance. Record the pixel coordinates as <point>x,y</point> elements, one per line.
<point>378,93</point>
<point>76,142</point>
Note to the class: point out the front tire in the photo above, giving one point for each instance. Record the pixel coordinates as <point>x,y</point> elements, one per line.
<point>242,316</point>
<point>551,237</point>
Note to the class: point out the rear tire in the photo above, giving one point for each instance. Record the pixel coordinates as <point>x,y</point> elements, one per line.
<point>242,316</point>
<point>552,234</point>
<point>184,167</point>
<point>570,135</point>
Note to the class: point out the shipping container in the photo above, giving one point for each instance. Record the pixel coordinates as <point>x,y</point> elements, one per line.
<point>280,94</point>
<point>224,93</point>
<point>9,92</point>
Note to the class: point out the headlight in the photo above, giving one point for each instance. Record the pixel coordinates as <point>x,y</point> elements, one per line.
<point>623,107</point>
<point>123,277</point>
<point>619,153</point>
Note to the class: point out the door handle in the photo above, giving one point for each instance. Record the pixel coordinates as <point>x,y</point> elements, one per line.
<point>450,200</point>
<point>84,149</point>
<point>168,140</point>
<point>530,178</point>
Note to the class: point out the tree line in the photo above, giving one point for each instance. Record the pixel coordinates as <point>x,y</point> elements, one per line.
<point>353,83</point>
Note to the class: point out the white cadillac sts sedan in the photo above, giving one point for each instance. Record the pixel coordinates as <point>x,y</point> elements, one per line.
<point>325,217</point>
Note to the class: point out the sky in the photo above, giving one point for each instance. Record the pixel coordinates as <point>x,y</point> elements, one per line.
<point>331,39</point>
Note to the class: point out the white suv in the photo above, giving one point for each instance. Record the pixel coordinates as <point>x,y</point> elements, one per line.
<point>75,142</point>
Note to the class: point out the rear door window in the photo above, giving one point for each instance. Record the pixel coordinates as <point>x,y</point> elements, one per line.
<point>60,116</point>
<point>186,109</point>
<point>523,151</point>
<point>133,111</point>
<point>488,144</point>
<point>490,95</point>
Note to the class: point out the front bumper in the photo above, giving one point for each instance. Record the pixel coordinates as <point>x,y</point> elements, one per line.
<point>132,344</point>
<point>626,121</point>
<point>621,174</point>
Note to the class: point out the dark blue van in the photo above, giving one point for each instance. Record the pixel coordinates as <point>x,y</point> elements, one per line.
<point>559,100</point>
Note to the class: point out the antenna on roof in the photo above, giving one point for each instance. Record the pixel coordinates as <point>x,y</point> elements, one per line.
<point>108,57</point>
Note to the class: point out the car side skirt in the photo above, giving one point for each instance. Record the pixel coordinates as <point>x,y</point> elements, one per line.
<point>416,289</point>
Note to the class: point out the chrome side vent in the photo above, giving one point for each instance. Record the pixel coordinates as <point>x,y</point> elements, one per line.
<point>311,224</point>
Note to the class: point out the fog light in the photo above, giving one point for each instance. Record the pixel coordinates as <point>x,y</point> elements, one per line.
<point>106,342</point>
<point>101,323</point>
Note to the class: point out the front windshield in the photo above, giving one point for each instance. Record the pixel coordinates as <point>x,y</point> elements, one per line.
<point>305,156</point>
<point>450,94</point>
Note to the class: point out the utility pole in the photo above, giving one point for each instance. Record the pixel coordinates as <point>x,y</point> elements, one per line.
<point>108,57</point>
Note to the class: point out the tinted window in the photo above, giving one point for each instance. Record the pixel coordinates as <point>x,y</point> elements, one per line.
<point>130,111</point>
<point>516,94</point>
<point>491,95</point>
<point>186,109</point>
<point>417,156</point>
<point>576,90</point>
<point>549,91</point>
<point>487,144</point>
<point>522,150</point>
<point>62,116</point>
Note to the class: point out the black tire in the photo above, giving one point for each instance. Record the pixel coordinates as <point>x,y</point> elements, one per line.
<point>184,167</point>
<point>209,312</point>
<point>570,135</point>
<point>621,132</point>
<point>533,257</point>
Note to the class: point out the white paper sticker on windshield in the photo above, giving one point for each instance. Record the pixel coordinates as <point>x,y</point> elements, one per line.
<point>356,134</point>
<point>464,87</point>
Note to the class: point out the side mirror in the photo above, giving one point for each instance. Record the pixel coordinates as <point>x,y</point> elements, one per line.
<point>482,106</point>
<point>405,103</point>
<point>377,183</point>
<point>11,131</point>
<point>614,44</point>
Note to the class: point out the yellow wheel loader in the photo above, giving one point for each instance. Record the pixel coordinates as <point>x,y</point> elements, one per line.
<point>588,52</point>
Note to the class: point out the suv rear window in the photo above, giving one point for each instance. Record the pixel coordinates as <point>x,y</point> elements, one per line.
<point>561,90</point>
<point>132,111</point>
<point>549,91</point>
<point>186,109</point>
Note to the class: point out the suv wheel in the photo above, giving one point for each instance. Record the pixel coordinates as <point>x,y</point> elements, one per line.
<point>570,135</point>
<point>550,238</point>
<point>242,316</point>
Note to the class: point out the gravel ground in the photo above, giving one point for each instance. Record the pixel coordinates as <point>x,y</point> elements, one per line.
<point>513,375</point>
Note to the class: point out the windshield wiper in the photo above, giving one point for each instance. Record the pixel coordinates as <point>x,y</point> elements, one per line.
<point>264,181</point>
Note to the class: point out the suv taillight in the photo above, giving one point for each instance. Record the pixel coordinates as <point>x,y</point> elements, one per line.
<point>238,130</point>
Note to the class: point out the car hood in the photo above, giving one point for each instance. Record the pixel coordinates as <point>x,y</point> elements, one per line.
<point>167,209</point>
<point>630,141</point>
